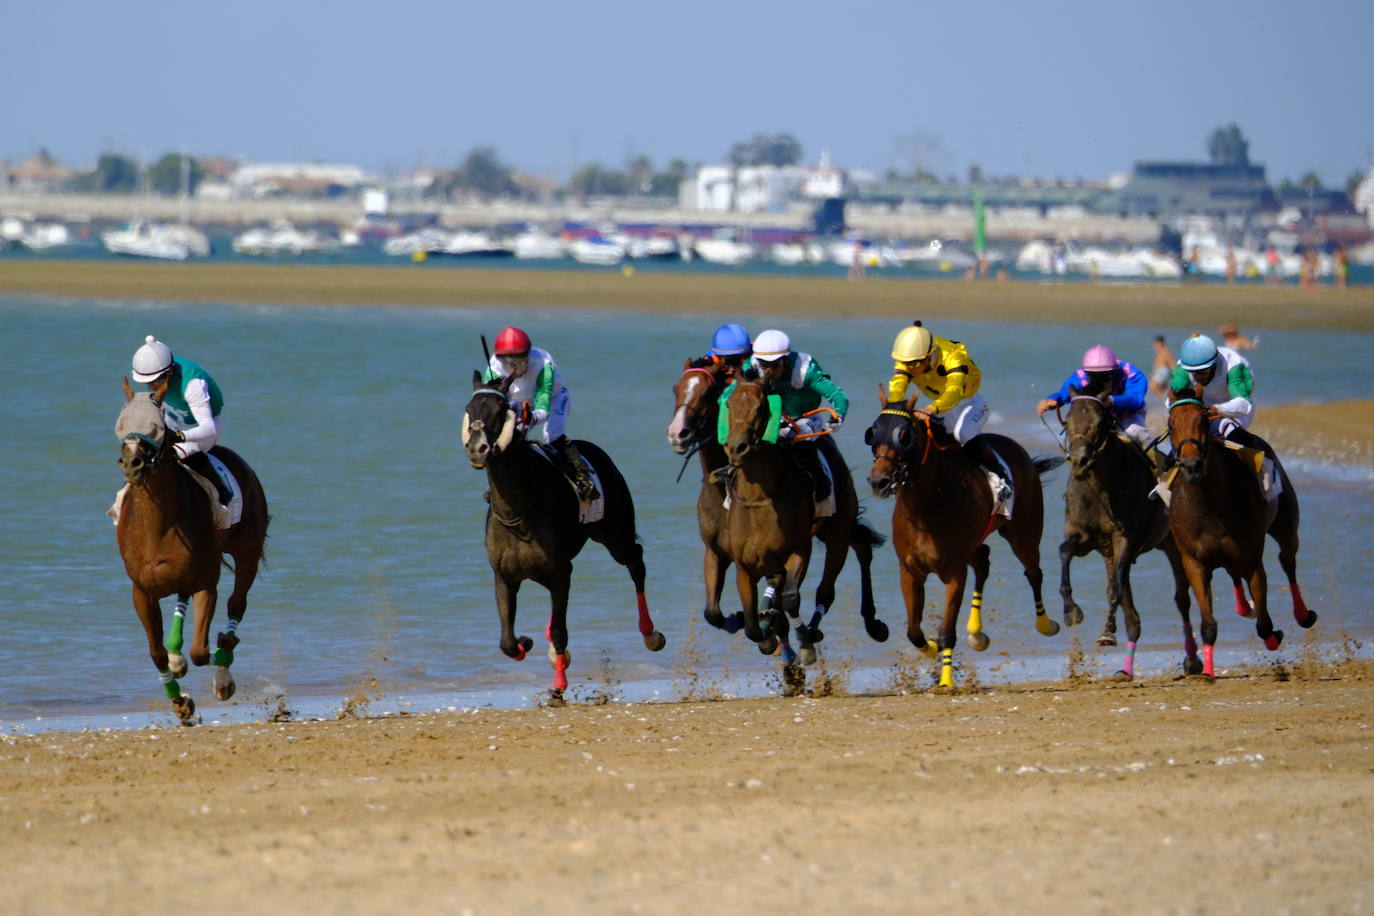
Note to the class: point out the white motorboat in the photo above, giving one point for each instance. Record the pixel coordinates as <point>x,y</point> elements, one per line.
<point>282,239</point>
<point>793,254</point>
<point>652,248</point>
<point>539,245</point>
<point>596,249</point>
<point>164,241</point>
<point>725,247</point>
<point>429,240</point>
<point>464,244</point>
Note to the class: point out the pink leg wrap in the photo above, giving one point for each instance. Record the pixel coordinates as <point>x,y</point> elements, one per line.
<point>560,673</point>
<point>1128,663</point>
<point>1207,668</point>
<point>1243,607</point>
<point>646,624</point>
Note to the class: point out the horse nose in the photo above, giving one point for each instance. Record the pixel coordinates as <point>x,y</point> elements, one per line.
<point>736,450</point>
<point>880,483</point>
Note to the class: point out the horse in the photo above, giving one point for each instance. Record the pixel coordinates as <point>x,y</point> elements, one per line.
<point>943,514</point>
<point>1219,517</point>
<point>170,545</point>
<point>533,526</point>
<point>693,429</point>
<point>1108,508</point>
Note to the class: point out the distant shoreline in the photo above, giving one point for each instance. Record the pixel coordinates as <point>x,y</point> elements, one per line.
<point>1203,306</point>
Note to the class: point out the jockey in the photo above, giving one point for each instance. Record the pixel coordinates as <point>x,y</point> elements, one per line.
<point>1119,384</point>
<point>943,370</point>
<point>1226,393</point>
<point>536,381</point>
<point>190,407</point>
<point>802,385</point>
<point>730,345</point>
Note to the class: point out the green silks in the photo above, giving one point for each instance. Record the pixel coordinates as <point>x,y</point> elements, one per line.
<point>770,432</point>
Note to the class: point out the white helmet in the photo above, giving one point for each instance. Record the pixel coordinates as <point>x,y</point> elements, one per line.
<point>151,360</point>
<point>771,345</point>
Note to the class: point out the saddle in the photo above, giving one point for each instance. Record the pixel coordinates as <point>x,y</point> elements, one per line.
<point>588,511</point>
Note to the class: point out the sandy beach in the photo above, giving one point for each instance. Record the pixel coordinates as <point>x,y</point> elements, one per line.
<point>1162,795</point>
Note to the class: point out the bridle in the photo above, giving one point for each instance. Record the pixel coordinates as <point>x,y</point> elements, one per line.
<point>1200,443</point>
<point>900,449</point>
<point>1094,441</point>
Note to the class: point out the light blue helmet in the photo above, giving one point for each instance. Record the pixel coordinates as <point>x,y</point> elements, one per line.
<point>1198,352</point>
<point>731,340</point>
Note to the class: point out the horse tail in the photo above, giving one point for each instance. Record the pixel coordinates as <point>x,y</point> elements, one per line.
<point>865,534</point>
<point>1046,463</point>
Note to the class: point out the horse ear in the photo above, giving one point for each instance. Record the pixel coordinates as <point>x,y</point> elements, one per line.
<point>882,396</point>
<point>476,380</point>
<point>911,398</point>
<point>128,392</point>
<point>686,364</point>
<point>1074,391</point>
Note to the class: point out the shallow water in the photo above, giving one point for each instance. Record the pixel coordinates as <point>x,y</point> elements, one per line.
<point>376,565</point>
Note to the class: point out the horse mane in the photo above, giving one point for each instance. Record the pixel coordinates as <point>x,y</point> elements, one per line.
<point>701,362</point>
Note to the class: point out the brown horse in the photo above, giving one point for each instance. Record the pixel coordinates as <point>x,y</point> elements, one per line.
<point>943,514</point>
<point>1107,508</point>
<point>696,413</point>
<point>1219,517</point>
<point>533,528</point>
<point>170,545</point>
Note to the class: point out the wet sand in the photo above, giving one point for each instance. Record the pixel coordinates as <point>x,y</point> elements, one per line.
<point>1251,793</point>
<point>691,293</point>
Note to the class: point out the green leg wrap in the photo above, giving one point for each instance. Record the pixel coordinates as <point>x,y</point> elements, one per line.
<point>173,641</point>
<point>223,657</point>
<point>173,689</point>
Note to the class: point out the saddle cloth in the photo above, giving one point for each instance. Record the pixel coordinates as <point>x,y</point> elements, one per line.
<point>224,518</point>
<point>1001,507</point>
<point>588,511</point>
<point>823,509</point>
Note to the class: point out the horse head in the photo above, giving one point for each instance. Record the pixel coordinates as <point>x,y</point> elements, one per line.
<point>696,403</point>
<point>490,424</point>
<point>141,431</point>
<point>1190,430</point>
<point>1087,427</point>
<point>751,416</point>
<point>893,437</point>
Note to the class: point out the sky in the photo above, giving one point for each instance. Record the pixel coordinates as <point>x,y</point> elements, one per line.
<point>1041,89</point>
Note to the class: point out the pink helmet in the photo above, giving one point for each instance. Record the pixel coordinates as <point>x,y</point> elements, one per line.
<point>1099,359</point>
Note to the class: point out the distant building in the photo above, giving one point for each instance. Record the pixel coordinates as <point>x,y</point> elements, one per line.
<point>768,188</point>
<point>296,179</point>
<point>1363,198</point>
<point>1163,189</point>
<point>39,172</point>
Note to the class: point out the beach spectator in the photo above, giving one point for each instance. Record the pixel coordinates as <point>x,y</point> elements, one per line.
<point>1341,262</point>
<point>1233,338</point>
<point>1272,274</point>
<point>1230,265</point>
<point>1162,367</point>
<point>1192,266</point>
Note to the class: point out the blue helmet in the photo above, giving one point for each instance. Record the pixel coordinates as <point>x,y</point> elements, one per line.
<point>1198,352</point>
<point>731,340</point>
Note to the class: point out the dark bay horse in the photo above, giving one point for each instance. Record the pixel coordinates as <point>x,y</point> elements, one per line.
<point>944,513</point>
<point>1219,517</point>
<point>533,529</point>
<point>696,413</point>
<point>1107,508</point>
<point>170,545</point>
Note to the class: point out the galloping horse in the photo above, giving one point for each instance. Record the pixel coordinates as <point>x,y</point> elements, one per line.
<point>944,513</point>
<point>1219,517</point>
<point>696,413</point>
<point>1108,509</point>
<point>533,527</point>
<point>170,545</point>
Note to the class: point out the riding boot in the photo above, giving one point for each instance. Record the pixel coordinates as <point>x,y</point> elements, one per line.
<point>809,457</point>
<point>571,460</point>
<point>200,463</point>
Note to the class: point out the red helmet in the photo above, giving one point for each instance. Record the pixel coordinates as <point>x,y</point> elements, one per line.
<point>512,342</point>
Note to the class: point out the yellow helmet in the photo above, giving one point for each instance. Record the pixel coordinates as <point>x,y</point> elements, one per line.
<point>912,344</point>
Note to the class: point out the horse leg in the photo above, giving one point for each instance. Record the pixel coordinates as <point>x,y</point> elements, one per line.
<point>977,639</point>
<point>836,552</point>
<point>505,607</point>
<point>205,613</point>
<point>1243,607</point>
<point>714,569</point>
<point>245,572</point>
<point>914,594</point>
<point>1192,665</point>
<point>954,598</point>
<point>1259,592</point>
<point>557,631</point>
<point>1284,531</point>
<point>1200,580</point>
<point>789,601</point>
<point>748,597</point>
<point>150,615</point>
<point>876,629</point>
<point>629,553</point>
<point>1109,560</point>
<point>1124,553</point>
<point>1071,547</point>
<point>176,662</point>
<point>1027,550</point>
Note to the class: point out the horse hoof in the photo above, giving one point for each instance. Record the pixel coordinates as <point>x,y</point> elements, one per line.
<point>1073,615</point>
<point>979,642</point>
<point>185,708</point>
<point>789,655</point>
<point>734,623</point>
<point>807,655</point>
<point>929,650</point>
<point>1274,640</point>
<point>1106,639</point>
<point>1245,610</point>
<point>655,641</point>
<point>224,684</point>
<point>177,665</point>
<point>1044,626</point>
<point>1192,665</point>
<point>793,680</point>
<point>877,630</point>
<point>1307,623</point>
<point>1122,676</point>
<point>768,645</point>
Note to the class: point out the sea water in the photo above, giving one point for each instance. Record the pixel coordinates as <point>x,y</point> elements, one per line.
<point>377,591</point>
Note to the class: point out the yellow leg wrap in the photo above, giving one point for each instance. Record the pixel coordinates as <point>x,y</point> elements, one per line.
<point>975,614</point>
<point>929,650</point>
<point>1043,625</point>
<point>946,667</point>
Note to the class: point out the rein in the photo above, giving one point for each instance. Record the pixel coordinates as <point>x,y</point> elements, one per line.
<point>1178,446</point>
